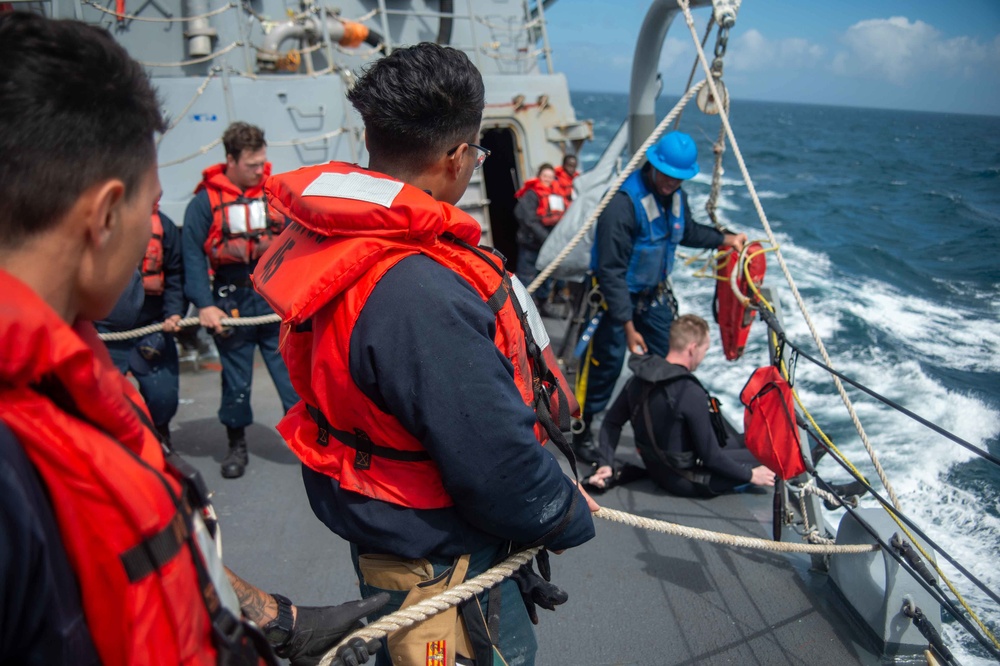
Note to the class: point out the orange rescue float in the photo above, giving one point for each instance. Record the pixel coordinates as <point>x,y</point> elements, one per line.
<point>734,318</point>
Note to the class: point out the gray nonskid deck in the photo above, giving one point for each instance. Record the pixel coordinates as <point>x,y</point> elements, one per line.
<point>636,597</point>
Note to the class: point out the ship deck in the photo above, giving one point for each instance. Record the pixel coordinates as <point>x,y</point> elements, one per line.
<point>635,597</point>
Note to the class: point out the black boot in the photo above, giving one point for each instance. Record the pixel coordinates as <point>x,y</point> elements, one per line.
<point>235,462</point>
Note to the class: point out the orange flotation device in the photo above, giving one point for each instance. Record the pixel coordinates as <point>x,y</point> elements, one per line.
<point>733,317</point>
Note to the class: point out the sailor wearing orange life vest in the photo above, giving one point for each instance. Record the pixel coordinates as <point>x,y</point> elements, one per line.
<point>421,417</point>
<point>227,227</point>
<point>540,205</point>
<point>566,174</point>
<point>152,359</point>
<point>107,556</point>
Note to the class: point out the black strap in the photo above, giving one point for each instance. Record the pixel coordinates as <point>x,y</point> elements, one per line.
<point>647,389</point>
<point>360,442</point>
<point>154,552</point>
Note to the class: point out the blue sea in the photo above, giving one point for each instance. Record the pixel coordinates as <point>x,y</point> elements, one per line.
<point>890,224</point>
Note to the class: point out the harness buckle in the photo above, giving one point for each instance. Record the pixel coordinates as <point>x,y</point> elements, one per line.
<point>363,448</point>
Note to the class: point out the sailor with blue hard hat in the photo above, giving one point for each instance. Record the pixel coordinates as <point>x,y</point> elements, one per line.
<point>637,235</point>
<point>674,155</point>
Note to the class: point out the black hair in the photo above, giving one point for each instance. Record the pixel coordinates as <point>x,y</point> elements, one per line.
<point>75,109</point>
<point>241,136</point>
<point>419,102</point>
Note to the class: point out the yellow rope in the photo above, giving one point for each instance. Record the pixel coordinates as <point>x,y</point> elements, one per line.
<point>858,474</point>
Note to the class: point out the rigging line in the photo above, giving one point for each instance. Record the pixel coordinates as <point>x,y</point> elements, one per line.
<point>891,511</point>
<point>933,589</point>
<point>193,61</point>
<point>909,523</point>
<point>694,65</point>
<point>724,117</point>
<point>895,405</point>
<point>130,17</point>
<point>637,158</point>
<point>988,641</point>
<point>902,518</point>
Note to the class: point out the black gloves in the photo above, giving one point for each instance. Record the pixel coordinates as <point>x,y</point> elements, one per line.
<point>317,629</point>
<point>535,589</point>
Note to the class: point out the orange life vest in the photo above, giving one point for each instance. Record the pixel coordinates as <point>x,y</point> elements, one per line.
<point>243,226</point>
<point>334,253</point>
<point>551,202</point>
<point>121,510</point>
<point>152,261</point>
<point>564,182</point>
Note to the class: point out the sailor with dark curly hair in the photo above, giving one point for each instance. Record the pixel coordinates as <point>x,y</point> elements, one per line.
<point>421,420</point>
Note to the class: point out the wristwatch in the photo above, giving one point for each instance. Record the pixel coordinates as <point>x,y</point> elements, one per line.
<point>279,630</point>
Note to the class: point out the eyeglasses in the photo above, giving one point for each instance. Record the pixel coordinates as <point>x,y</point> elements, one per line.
<point>483,153</point>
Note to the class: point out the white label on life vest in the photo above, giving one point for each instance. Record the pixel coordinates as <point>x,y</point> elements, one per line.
<point>236,215</point>
<point>557,203</point>
<point>651,207</point>
<point>357,186</point>
<point>258,215</point>
<point>675,205</point>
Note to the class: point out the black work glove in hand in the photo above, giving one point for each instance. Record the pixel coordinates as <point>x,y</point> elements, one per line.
<point>535,590</point>
<point>317,629</point>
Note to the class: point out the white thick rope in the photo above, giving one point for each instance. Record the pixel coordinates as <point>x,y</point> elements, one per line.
<point>411,615</point>
<point>729,539</point>
<point>685,6</point>
<point>190,321</point>
<point>638,158</point>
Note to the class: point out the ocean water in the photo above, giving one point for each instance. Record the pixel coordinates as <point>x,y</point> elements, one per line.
<point>889,222</point>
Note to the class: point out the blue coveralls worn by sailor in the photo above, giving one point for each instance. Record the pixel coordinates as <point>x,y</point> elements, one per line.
<point>229,293</point>
<point>152,359</point>
<point>637,235</point>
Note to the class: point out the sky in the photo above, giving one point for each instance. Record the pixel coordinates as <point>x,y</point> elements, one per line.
<point>925,55</point>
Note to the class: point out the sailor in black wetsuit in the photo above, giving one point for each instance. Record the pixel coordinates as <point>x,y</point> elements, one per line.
<point>673,423</point>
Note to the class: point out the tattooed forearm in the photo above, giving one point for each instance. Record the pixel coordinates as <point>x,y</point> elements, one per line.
<point>258,606</point>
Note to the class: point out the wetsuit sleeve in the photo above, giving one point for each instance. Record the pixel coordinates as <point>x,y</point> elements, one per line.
<point>615,241</point>
<point>173,270</point>
<point>698,235</point>
<point>43,621</point>
<point>197,222</point>
<point>692,403</point>
<point>611,430</point>
<point>423,350</point>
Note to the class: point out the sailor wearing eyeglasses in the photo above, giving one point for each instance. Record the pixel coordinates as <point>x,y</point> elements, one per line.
<point>418,371</point>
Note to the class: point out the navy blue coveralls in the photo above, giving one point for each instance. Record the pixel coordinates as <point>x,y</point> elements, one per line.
<point>152,359</point>
<point>231,291</point>
<point>616,233</point>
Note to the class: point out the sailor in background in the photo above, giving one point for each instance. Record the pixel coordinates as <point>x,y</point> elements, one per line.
<point>107,549</point>
<point>566,174</point>
<point>227,227</point>
<point>679,431</point>
<point>633,254</point>
<point>541,203</point>
<point>152,359</point>
<point>413,352</point>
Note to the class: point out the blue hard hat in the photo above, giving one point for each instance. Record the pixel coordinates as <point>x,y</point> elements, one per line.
<point>675,155</point>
